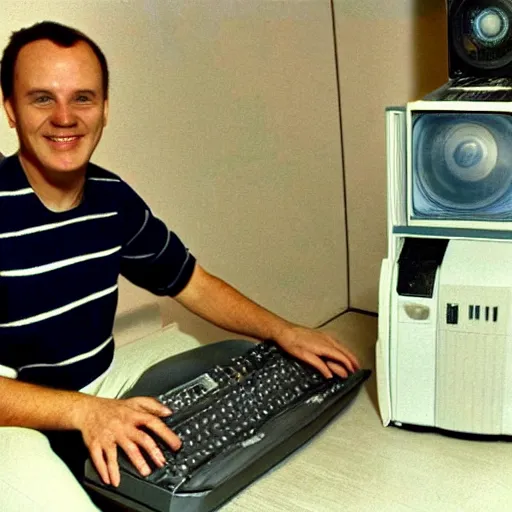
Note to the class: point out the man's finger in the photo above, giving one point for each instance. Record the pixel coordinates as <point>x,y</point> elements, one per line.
<point>338,355</point>
<point>317,363</point>
<point>133,453</point>
<point>150,405</point>
<point>338,369</point>
<point>113,467</point>
<point>353,358</point>
<point>165,433</point>
<point>151,448</point>
<point>99,464</point>
<point>344,350</point>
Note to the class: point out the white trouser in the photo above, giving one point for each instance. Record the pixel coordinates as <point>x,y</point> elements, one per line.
<point>32,477</point>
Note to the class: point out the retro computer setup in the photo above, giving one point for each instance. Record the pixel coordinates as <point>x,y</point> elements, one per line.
<point>444,350</point>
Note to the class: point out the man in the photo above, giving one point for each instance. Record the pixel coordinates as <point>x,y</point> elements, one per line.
<point>67,230</point>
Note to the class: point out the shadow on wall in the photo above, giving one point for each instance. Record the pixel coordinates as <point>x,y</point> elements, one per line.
<point>431,46</point>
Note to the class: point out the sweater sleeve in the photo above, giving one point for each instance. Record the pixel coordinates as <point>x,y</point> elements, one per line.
<point>152,257</point>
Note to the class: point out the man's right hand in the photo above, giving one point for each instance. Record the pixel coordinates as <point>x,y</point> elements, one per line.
<point>108,423</point>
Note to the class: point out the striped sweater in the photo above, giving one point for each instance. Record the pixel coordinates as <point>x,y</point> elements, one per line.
<point>59,274</point>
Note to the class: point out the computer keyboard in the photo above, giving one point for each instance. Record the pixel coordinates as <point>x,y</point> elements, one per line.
<point>236,420</point>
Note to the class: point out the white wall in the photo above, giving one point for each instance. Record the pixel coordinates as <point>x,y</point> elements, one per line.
<point>224,117</point>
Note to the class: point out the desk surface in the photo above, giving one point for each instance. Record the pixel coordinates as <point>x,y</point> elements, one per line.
<point>356,464</point>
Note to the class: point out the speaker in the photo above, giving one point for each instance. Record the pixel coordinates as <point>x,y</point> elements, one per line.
<point>480,38</point>
<point>461,165</point>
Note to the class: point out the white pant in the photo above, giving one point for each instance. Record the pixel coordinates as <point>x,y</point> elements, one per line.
<point>32,477</point>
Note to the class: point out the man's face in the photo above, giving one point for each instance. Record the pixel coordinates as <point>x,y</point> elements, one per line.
<point>57,107</point>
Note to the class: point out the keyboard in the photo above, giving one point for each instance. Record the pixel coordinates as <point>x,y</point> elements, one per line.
<point>236,420</point>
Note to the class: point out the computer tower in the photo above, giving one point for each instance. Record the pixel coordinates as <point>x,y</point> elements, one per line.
<point>444,350</point>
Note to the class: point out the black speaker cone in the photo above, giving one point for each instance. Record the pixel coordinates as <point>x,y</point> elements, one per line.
<point>481,32</point>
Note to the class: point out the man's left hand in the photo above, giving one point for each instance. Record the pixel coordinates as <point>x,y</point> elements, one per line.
<point>320,350</point>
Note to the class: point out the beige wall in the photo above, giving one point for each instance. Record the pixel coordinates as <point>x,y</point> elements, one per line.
<point>224,117</point>
<point>389,52</point>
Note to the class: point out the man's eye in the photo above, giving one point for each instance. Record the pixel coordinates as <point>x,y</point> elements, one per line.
<point>83,99</point>
<point>42,100</point>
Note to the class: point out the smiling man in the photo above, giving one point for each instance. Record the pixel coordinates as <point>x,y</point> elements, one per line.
<point>68,229</point>
<point>59,116</point>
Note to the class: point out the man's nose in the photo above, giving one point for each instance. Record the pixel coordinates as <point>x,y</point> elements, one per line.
<point>63,115</point>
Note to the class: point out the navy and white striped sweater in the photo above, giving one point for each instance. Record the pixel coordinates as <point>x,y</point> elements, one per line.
<point>59,274</point>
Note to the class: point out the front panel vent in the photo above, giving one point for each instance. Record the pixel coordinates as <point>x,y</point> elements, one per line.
<point>478,312</point>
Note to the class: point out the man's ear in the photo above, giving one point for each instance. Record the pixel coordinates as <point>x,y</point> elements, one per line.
<point>9,110</point>
<point>105,112</point>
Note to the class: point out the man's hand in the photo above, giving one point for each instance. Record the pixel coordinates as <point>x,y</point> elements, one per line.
<point>106,424</point>
<point>320,350</point>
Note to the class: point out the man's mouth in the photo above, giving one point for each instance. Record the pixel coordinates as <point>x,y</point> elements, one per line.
<point>64,139</point>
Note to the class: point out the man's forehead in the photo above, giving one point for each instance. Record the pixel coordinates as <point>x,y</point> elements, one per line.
<point>44,52</point>
<point>44,60</point>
